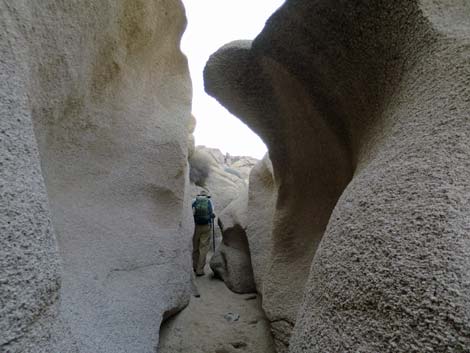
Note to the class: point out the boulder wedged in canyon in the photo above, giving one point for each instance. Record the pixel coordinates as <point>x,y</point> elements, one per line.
<point>231,261</point>
<point>363,105</point>
<point>109,94</point>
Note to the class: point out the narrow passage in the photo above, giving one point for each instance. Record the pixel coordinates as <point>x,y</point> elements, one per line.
<point>219,321</point>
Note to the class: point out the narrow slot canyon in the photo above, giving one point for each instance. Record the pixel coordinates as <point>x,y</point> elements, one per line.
<point>343,228</point>
<point>224,314</point>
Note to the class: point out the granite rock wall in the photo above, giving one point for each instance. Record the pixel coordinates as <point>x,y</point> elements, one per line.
<point>108,92</point>
<point>363,105</point>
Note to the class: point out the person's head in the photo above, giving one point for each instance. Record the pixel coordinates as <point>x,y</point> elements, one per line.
<point>204,193</point>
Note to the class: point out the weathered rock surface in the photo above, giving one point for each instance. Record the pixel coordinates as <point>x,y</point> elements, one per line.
<point>30,318</point>
<point>191,139</point>
<point>227,175</point>
<point>224,176</point>
<point>231,261</point>
<point>242,165</point>
<point>108,91</point>
<point>296,234</point>
<point>261,206</point>
<point>364,107</point>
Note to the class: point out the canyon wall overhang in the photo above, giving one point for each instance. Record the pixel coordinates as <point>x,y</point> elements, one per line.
<point>364,107</point>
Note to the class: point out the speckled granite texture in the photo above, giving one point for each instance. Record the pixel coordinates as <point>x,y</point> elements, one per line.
<point>364,107</point>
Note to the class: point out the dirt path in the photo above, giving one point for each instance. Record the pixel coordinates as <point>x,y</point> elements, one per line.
<point>219,321</point>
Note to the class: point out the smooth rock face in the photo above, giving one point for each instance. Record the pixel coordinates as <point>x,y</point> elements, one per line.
<point>261,207</point>
<point>364,107</point>
<point>231,261</point>
<point>108,91</point>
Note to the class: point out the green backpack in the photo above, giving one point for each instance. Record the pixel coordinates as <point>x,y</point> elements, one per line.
<point>202,213</point>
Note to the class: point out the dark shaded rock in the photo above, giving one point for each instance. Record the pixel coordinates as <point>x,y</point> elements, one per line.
<point>363,105</point>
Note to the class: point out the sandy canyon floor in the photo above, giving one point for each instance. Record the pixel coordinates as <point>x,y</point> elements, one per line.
<point>219,321</point>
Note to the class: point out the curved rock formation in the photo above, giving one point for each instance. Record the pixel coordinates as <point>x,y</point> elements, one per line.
<point>296,233</point>
<point>108,91</point>
<point>364,107</point>
<point>231,261</point>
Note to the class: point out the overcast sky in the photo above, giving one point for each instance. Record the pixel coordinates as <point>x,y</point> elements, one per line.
<point>211,24</point>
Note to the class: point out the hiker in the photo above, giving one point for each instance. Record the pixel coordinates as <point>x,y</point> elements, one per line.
<point>203,212</point>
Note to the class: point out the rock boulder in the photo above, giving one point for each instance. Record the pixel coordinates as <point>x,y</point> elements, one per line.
<point>232,262</point>
<point>261,207</point>
<point>224,176</point>
<point>227,176</point>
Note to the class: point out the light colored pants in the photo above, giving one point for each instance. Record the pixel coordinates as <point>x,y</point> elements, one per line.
<point>201,245</point>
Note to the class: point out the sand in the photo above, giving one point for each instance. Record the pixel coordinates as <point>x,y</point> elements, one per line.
<point>210,325</point>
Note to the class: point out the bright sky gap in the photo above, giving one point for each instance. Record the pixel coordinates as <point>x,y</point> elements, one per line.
<point>211,24</point>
